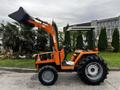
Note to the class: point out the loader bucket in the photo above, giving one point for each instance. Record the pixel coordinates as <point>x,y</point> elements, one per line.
<point>21,16</point>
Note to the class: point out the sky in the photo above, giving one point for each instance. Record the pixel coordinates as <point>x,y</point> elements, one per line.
<point>63,12</point>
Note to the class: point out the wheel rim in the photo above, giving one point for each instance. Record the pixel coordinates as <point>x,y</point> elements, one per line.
<point>48,76</point>
<point>94,71</point>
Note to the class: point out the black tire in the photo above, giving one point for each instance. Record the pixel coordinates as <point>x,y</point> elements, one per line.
<point>49,69</point>
<point>86,73</point>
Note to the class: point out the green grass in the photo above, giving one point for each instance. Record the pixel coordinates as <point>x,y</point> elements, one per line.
<point>112,59</point>
<point>20,63</point>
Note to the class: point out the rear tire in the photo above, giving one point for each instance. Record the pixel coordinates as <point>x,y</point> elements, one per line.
<point>48,75</point>
<point>92,70</point>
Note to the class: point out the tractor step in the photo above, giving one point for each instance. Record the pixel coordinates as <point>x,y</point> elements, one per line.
<point>67,67</point>
<point>67,63</point>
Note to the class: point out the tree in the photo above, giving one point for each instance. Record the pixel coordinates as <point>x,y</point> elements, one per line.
<point>115,40</point>
<point>22,39</point>
<point>27,38</point>
<point>11,37</point>
<point>60,37</point>
<point>90,40</point>
<point>102,42</point>
<point>79,44</point>
<point>41,40</point>
<point>74,39</point>
<point>67,40</point>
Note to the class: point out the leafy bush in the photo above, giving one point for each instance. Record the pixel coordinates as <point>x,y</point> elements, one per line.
<point>79,44</point>
<point>102,42</point>
<point>115,40</point>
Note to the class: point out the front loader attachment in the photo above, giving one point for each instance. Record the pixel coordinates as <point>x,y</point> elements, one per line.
<point>21,16</point>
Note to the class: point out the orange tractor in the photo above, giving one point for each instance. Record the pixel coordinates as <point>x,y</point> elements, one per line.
<point>90,67</point>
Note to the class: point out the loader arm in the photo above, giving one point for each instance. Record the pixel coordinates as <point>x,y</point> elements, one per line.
<point>24,18</point>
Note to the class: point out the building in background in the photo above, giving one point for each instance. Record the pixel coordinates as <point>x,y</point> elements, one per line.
<point>110,24</point>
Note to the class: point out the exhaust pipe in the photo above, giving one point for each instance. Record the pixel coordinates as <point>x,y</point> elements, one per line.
<point>21,16</point>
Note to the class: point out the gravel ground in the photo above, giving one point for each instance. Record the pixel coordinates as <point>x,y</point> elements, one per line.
<point>66,81</point>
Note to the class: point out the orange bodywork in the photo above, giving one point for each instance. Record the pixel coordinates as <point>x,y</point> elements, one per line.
<point>62,55</point>
<point>85,53</point>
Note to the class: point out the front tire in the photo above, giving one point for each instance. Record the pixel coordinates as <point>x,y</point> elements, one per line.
<point>92,70</point>
<point>48,75</point>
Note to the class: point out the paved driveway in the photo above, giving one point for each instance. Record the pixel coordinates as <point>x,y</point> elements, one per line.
<point>66,81</point>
